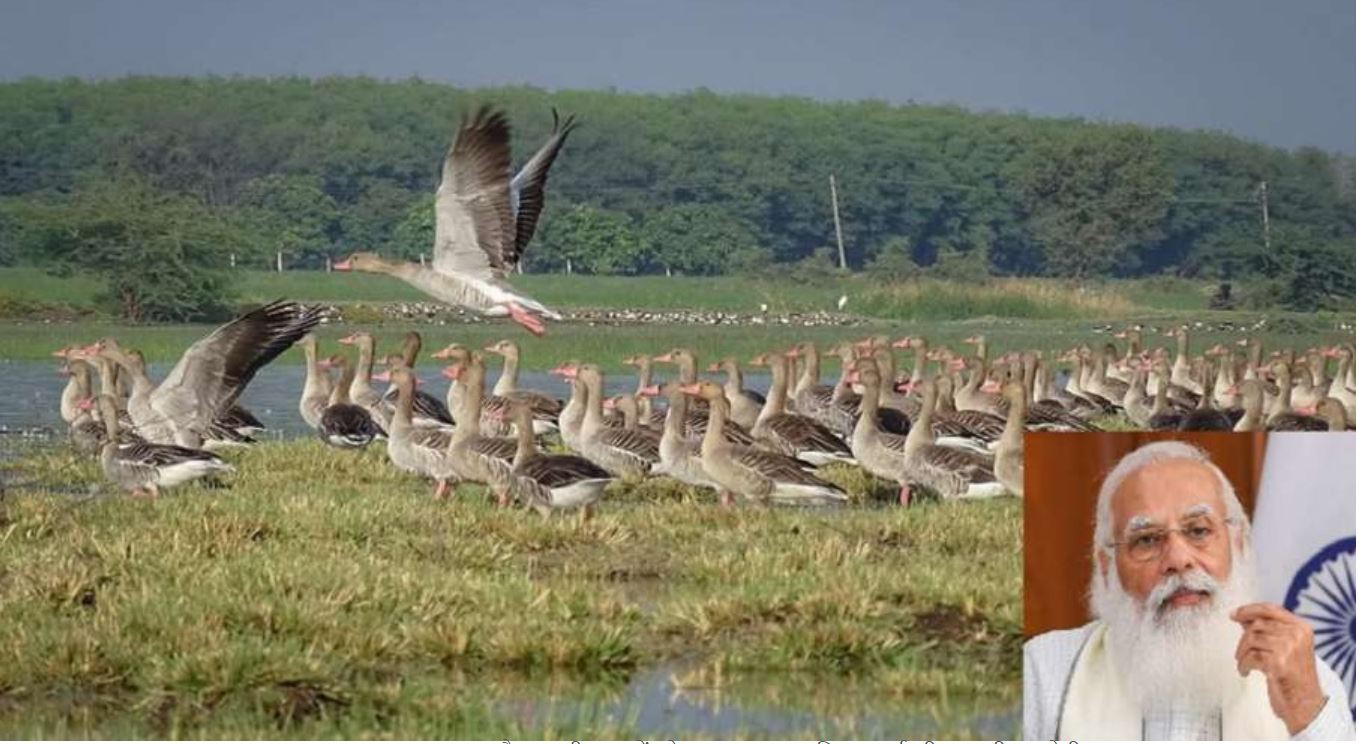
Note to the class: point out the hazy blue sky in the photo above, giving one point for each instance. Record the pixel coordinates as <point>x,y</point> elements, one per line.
<point>1280,71</point>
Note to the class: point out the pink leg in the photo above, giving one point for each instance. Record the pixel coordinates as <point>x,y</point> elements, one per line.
<point>726,500</point>
<point>526,319</point>
<point>905,496</point>
<point>441,489</point>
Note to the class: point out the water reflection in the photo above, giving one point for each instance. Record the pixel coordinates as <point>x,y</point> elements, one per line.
<point>702,701</point>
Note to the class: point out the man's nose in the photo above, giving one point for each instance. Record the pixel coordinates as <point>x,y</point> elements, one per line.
<point>1178,555</point>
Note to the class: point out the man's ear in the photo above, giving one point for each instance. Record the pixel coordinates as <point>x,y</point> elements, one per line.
<point>1103,557</point>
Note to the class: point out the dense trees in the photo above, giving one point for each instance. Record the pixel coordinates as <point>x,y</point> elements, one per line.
<point>695,183</point>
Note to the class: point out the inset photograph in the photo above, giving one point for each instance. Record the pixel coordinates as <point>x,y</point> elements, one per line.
<point>1189,586</point>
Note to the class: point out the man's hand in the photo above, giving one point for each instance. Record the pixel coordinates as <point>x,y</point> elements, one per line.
<point>1279,644</point>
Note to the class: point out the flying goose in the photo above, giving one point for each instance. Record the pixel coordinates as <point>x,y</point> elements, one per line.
<point>483,221</point>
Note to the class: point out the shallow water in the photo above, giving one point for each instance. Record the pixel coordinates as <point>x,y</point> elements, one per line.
<point>702,702</point>
<point>32,400</point>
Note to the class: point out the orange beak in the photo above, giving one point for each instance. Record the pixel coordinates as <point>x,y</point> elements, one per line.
<point>666,357</point>
<point>690,389</point>
<point>350,339</point>
<point>453,371</point>
<point>345,265</point>
<point>650,391</point>
<point>714,367</point>
<point>904,343</point>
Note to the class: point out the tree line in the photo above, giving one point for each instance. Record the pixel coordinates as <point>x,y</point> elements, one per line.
<point>178,176</point>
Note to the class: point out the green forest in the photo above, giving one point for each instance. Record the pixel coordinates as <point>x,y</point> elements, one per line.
<point>160,183</point>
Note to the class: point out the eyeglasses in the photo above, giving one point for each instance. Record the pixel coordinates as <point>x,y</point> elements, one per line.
<point>1150,544</point>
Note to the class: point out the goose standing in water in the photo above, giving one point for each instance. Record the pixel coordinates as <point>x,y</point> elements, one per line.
<point>145,467</point>
<point>344,424</point>
<point>483,220</point>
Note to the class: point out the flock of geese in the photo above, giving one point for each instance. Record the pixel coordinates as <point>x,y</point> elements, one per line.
<point>953,425</point>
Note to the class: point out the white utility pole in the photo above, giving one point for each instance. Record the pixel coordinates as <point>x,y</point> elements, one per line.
<point>835,212</point>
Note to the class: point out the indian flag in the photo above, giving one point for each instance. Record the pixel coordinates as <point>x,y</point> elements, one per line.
<point>1304,538</point>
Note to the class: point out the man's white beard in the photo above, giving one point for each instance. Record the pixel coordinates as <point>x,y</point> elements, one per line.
<point>1185,656</point>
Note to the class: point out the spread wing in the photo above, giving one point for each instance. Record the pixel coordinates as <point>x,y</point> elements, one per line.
<point>473,220</point>
<point>526,190</point>
<point>211,375</point>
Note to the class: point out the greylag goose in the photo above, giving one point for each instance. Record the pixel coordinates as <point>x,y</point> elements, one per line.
<point>1009,464</point>
<point>971,397</point>
<point>426,409</point>
<point>544,407</point>
<point>878,452</point>
<point>344,424</point>
<point>949,471</point>
<point>573,413</point>
<point>968,429</point>
<point>483,221</point>
<point>469,453</point>
<point>1282,417</point>
<point>550,483</point>
<point>1338,389</point>
<point>1224,381</point>
<point>745,404</point>
<point>144,467</point>
<point>211,374</point>
<point>810,396</point>
<point>1043,415</point>
<point>620,451</point>
<point>1136,403</point>
<point>422,450</point>
<point>1332,412</point>
<point>494,418</point>
<point>1164,416</point>
<point>793,434</point>
<point>1181,371</point>
<point>760,476</point>
<point>655,419</point>
<point>1204,417</point>
<point>317,386</point>
<point>696,423</point>
<point>681,457</point>
<point>1252,396</point>
<point>361,391</point>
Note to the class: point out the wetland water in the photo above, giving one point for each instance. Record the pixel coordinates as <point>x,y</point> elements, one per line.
<point>32,397</point>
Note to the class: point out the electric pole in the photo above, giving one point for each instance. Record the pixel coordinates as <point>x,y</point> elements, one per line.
<point>835,211</point>
<point>1264,209</point>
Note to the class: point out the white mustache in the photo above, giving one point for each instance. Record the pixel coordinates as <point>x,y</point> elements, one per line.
<point>1195,580</point>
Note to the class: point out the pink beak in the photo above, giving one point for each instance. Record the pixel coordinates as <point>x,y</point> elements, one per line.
<point>691,389</point>
<point>350,339</point>
<point>903,343</point>
<point>383,376</point>
<point>666,357</point>
<point>714,367</point>
<point>85,404</point>
<point>452,371</point>
<point>343,265</point>
<point>650,391</point>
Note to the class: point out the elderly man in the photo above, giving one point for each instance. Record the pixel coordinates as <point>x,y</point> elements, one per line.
<point>1179,649</point>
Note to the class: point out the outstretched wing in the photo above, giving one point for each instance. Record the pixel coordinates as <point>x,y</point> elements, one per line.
<point>211,375</point>
<point>526,190</point>
<point>473,220</point>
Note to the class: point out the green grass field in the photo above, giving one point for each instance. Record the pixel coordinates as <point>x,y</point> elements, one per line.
<point>324,595</point>
<point>913,300</point>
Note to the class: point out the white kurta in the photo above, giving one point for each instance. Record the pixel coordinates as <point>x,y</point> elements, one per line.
<point>1050,658</point>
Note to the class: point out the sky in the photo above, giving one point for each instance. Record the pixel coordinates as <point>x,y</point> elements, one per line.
<point>1280,72</point>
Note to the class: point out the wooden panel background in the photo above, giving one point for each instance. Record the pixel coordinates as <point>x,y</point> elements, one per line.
<point>1062,475</point>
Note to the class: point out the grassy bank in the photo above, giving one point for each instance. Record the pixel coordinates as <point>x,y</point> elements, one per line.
<point>324,595</point>
<point>923,299</point>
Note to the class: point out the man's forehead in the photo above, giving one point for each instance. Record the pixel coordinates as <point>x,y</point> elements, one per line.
<point>1167,490</point>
